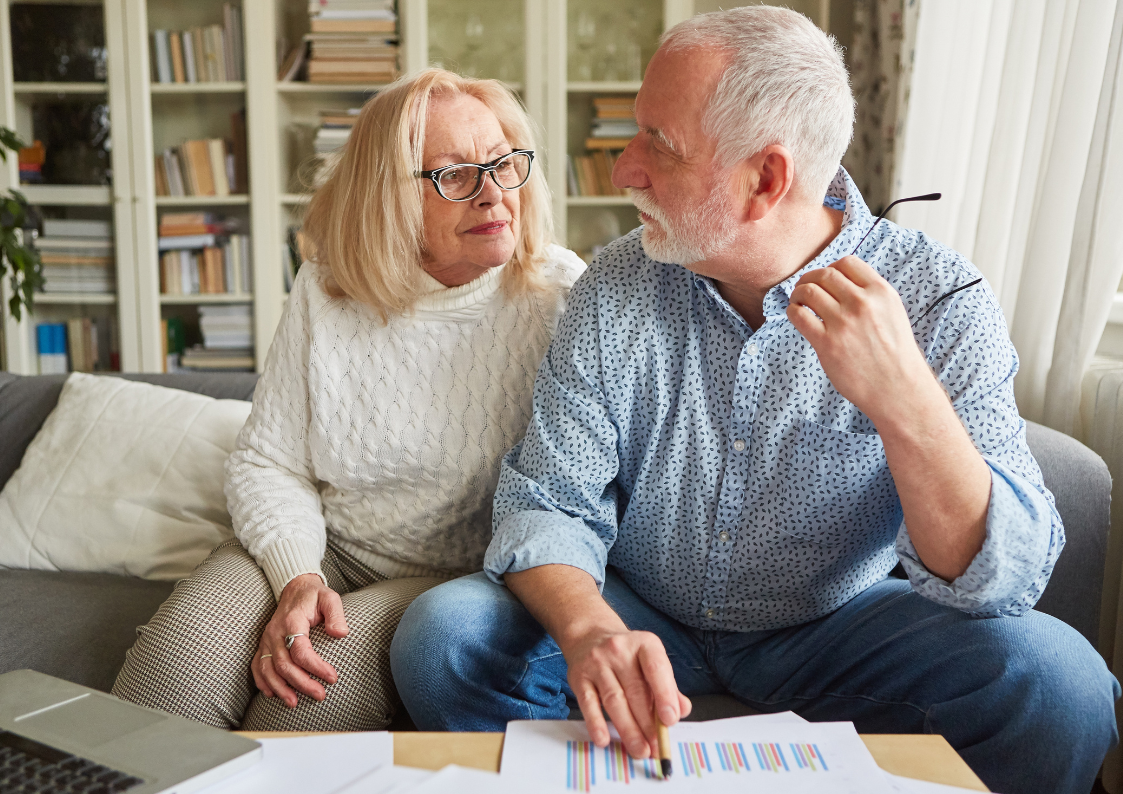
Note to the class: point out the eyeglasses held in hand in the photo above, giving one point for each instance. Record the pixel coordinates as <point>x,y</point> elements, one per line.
<point>884,212</point>
<point>464,181</point>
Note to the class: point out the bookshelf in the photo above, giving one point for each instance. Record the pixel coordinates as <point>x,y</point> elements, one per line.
<point>532,45</point>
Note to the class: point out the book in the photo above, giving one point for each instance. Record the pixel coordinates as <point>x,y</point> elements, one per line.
<point>238,151</point>
<point>50,345</point>
<point>189,57</point>
<point>175,42</point>
<point>606,143</point>
<point>84,246</point>
<point>160,174</point>
<point>197,56</point>
<point>66,227</point>
<point>360,25</point>
<point>201,176</point>
<point>162,56</point>
<point>216,149</point>
<point>173,168</point>
<point>236,34</point>
<point>186,242</point>
<point>293,63</point>
<point>76,343</point>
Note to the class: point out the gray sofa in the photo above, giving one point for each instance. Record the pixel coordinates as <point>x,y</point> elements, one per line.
<point>78,626</point>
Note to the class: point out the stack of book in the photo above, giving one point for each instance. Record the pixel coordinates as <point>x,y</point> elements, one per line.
<point>352,41</point>
<point>614,122</point>
<point>31,159</point>
<point>335,129</point>
<point>77,256</point>
<point>227,339</point>
<point>80,344</point>
<point>614,126</point>
<point>211,54</point>
<point>209,167</point>
<point>201,254</point>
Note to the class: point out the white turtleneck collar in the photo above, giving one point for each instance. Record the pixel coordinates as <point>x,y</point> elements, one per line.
<point>465,302</point>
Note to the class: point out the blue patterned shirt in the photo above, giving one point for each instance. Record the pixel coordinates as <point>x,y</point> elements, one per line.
<point>716,468</point>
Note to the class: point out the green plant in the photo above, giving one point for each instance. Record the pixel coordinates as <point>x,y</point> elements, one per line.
<point>16,215</point>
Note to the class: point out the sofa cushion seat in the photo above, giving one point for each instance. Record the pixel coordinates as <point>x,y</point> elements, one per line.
<point>75,626</point>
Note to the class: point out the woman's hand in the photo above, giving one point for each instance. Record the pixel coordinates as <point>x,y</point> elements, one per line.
<point>277,670</point>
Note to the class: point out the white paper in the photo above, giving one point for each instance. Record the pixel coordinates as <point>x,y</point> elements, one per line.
<point>310,764</point>
<point>767,756</point>
<point>386,779</point>
<point>455,779</point>
<point>755,719</point>
<point>906,785</point>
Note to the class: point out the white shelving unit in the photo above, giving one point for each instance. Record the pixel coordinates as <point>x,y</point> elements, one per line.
<point>147,117</point>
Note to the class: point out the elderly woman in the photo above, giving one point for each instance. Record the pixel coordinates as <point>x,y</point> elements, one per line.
<point>399,376</point>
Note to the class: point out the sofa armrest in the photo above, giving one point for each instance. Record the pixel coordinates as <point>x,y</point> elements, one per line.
<point>1081,484</point>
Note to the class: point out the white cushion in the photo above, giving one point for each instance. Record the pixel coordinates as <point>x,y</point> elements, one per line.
<point>123,477</point>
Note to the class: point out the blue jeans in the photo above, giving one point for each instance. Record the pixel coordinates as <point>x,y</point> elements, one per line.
<point>1027,702</point>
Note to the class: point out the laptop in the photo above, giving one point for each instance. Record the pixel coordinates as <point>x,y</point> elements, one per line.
<point>59,736</point>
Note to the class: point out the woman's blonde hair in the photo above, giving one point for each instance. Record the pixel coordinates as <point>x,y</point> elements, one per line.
<point>365,223</point>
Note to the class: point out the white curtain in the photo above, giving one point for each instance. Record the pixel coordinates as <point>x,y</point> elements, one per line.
<point>1016,115</point>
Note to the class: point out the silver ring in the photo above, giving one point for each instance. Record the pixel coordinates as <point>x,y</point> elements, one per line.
<point>290,639</point>
<point>265,656</point>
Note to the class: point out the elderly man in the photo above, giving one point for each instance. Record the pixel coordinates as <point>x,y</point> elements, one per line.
<point>755,408</point>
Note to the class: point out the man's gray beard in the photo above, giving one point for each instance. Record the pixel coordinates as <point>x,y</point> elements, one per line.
<point>703,231</point>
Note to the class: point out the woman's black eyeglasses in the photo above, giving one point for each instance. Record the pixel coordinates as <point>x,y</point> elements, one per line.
<point>464,181</point>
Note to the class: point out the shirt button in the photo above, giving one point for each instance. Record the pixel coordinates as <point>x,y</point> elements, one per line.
<point>739,445</point>
<point>753,349</point>
<point>723,537</point>
<point>709,613</point>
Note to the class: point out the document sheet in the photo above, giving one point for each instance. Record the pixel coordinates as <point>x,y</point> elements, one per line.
<point>768,756</point>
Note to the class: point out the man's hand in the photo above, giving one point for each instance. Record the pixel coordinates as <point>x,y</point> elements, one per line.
<point>863,337</point>
<point>305,602</point>
<point>628,674</point>
<point>610,668</point>
<point>864,341</point>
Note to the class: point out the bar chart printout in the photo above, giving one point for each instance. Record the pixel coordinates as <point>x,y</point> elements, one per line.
<point>823,758</point>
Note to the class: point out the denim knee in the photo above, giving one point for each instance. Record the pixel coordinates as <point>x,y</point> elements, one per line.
<point>439,627</point>
<point>1058,686</point>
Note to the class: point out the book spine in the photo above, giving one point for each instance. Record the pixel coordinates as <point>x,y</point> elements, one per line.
<point>216,153</point>
<point>239,44</point>
<point>163,62</point>
<point>247,264</point>
<point>200,59</point>
<point>189,57</point>
<point>89,343</point>
<point>74,343</point>
<point>228,40</point>
<point>51,343</point>
<point>161,176</point>
<point>185,272</point>
<point>176,43</point>
<point>229,272</point>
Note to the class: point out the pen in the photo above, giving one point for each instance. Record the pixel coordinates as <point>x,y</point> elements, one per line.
<point>664,747</point>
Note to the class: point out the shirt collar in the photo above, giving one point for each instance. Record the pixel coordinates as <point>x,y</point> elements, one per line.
<point>856,221</point>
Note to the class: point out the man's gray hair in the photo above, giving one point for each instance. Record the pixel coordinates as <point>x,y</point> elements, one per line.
<point>785,83</point>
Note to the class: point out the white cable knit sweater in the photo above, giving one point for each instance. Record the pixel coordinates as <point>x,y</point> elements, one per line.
<point>389,437</point>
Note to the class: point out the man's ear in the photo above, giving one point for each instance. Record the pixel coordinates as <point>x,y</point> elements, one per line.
<point>768,177</point>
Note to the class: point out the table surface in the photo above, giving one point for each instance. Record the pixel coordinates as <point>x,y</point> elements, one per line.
<point>920,756</point>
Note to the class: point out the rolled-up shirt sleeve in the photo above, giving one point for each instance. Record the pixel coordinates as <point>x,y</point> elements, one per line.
<point>556,501</point>
<point>975,361</point>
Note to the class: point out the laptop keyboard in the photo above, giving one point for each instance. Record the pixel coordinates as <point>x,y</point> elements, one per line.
<point>28,767</point>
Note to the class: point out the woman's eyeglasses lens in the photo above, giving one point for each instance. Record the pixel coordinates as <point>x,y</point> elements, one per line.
<point>462,182</point>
